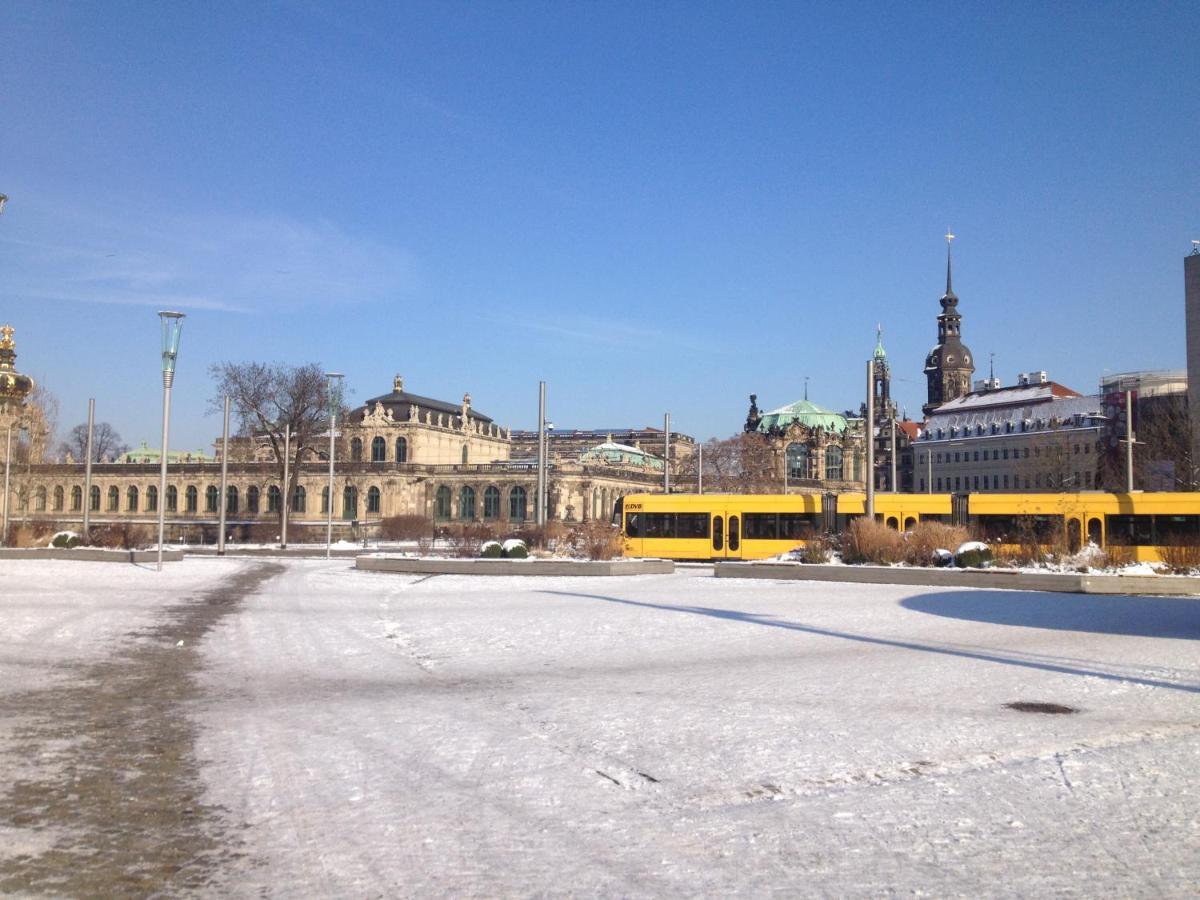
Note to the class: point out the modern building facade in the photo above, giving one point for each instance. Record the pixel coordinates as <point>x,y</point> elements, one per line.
<point>1191,300</point>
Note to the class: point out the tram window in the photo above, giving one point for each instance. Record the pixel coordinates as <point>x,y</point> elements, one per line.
<point>760,526</point>
<point>691,525</point>
<point>795,526</point>
<point>658,525</point>
<point>1137,530</point>
<point>1016,529</point>
<point>1173,531</point>
<point>633,525</point>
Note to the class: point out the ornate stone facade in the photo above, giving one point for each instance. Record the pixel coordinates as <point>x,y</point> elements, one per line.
<point>815,449</point>
<point>398,454</point>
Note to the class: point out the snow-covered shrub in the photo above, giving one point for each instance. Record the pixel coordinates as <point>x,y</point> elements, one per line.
<point>943,558</point>
<point>491,550</point>
<point>594,540</point>
<point>1182,558</point>
<point>925,537</point>
<point>867,541</point>
<point>514,548</point>
<point>815,550</point>
<point>65,540</point>
<point>973,555</point>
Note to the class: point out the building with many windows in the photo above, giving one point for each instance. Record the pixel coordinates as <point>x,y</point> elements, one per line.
<point>399,453</point>
<point>1036,435</point>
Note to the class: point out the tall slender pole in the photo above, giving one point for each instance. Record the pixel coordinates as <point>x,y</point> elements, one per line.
<point>667,453</point>
<point>333,405</point>
<point>541,460</point>
<point>7,461</point>
<point>700,472</point>
<point>168,377</point>
<point>870,439</point>
<point>895,487</point>
<point>87,472</point>
<point>224,483</point>
<point>1129,438</point>
<point>172,329</point>
<point>287,482</point>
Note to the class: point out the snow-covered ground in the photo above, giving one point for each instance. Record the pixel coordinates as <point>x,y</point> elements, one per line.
<point>55,613</point>
<point>684,735</point>
<point>375,734</point>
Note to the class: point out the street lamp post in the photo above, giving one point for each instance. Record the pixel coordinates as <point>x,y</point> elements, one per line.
<point>870,430</point>
<point>335,397</point>
<point>287,481</point>
<point>172,328</point>
<point>87,471</point>
<point>224,483</point>
<point>540,505</point>
<point>7,464</point>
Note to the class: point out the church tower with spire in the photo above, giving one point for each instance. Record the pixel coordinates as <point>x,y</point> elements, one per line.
<point>949,366</point>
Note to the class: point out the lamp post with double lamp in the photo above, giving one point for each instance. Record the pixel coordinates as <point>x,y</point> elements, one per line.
<point>172,328</point>
<point>335,397</point>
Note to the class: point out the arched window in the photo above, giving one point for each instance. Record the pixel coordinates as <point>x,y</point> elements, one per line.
<point>516,504</point>
<point>231,500</point>
<point>356,450</point>
<point>172,498</point>
<point>131,499</point>
<point>211,498</point>
<point>299,499</point>
<point>191,499</point>
<point>151,499</point>
<point>39,500</point>
<point>350,502</point>
<point>378,450</point>
<point>797,460</point>
<point>114,499</point>
<point>76,499</point>
<point>325,499</point>
<point>94,500</point>
<point>273,496</point>
<point>401,450</point>
<point>833,463</point>
<point>466,503</point>
<point>464,455</point>
<point>373,500</point>
<point>441,503</point>
<point>252,499</point>
<point>59,498</point>
<point>491,502</point>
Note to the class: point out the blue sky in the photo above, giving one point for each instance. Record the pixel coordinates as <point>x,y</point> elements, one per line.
<point>653,207</point>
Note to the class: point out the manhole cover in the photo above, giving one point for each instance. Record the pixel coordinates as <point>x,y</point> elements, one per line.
<point>1031,707</point>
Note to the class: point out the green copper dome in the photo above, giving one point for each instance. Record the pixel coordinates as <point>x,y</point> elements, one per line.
<point>806,413</point>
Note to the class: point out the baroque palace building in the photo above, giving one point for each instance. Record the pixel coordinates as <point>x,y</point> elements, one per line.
<point>814,449</point>
<point>398,454</point>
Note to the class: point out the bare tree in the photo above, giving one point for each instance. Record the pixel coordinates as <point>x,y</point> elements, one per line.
<point>1162,456</point>
<point>106,443</point>
<point>744,464</point>
<point>268,398</point>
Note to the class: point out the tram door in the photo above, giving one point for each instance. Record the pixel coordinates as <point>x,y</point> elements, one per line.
<point>726,535</point>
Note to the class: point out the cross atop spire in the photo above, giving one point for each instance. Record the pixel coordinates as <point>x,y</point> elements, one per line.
<point>949,238</point>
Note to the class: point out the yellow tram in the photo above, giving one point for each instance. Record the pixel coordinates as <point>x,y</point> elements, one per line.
<point>757,526</point>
